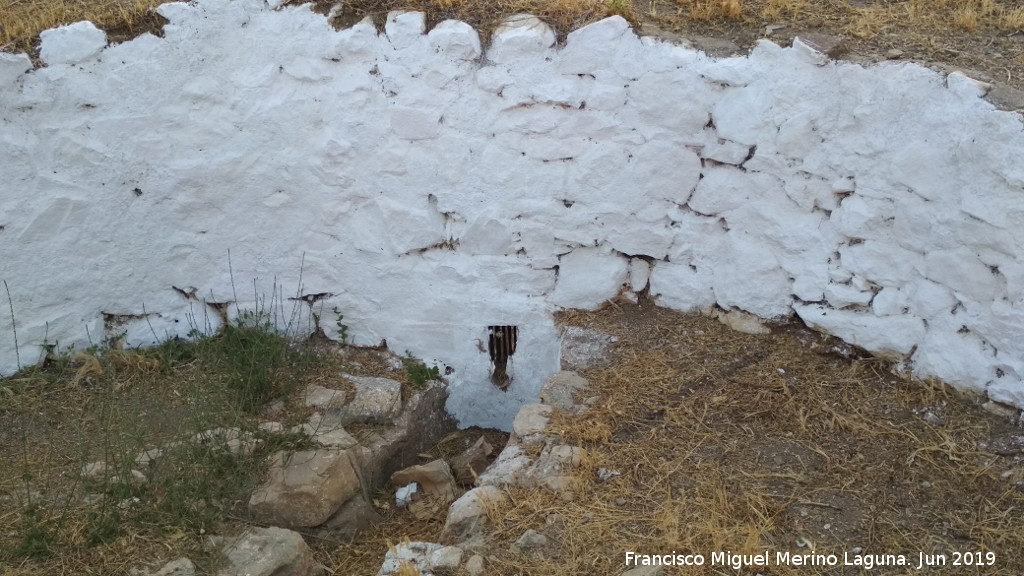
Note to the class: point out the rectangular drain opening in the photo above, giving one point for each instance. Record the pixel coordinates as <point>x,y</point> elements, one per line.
<point>501,344</point>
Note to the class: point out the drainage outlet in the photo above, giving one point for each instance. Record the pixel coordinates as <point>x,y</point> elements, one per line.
<point>501,344</point>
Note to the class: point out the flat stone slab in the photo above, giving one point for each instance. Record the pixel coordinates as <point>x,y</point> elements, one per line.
<point>560,389</point>
<point>270,552</point>
<point>532,418</point>
<point>586,348</point>
<point>376,400</point>
<point>324,399</point>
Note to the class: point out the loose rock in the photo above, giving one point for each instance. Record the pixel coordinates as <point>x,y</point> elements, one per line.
<point>532,418</point>
<point>376,400</point>
<point>323,399</point>
<point>468,514</point>
<point>468,465</point>
<point>352,518</point>
<point>475,565</point>
<point>270,552</point>
<point>560,390</point>
<point>305,488</point>
<point>435,479</point>
<point>416,554</point>
<point>585,348</point>
<point>531,542</point>
<point>178,567</point>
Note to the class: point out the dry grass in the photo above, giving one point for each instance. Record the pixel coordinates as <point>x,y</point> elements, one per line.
<point>22,20</point>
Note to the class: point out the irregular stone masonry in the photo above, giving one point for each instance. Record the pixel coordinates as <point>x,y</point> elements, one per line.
<point>430,189</point>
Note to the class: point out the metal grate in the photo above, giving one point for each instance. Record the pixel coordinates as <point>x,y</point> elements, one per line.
<point>501,344</point>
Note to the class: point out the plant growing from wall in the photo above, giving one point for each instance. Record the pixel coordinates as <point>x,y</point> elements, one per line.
<point>418,371</point>
<point>342,327</point>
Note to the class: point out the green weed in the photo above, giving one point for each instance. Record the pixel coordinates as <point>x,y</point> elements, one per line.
<point>418,371</point>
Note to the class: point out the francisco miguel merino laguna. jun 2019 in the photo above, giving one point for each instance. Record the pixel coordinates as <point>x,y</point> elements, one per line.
<point>862,560</point>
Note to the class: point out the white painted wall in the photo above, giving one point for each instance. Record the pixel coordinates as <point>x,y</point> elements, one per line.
<point>433,190</point>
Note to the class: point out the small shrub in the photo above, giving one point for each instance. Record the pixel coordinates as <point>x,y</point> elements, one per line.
<point>418,371</point>
<point>104,526</point>
<point>38,538</point>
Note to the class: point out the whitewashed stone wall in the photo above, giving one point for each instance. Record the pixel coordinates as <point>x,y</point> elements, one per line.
<point>430,189</point>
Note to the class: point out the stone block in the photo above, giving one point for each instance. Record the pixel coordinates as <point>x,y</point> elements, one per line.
<point>71,44</point>
<point>304,488</point>
<point>269,552</point>
<point>520,36</point>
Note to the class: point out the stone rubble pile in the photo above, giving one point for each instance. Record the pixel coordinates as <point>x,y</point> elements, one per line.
<point>553,469</point>
<point>323,490</point>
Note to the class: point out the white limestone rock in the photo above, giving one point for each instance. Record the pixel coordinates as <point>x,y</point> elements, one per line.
<point>553,468</point>
<point>584,348</point>
<point>71,44</point>
<point>455,39</point>
<point>927,299</point>
<point>881,262</point>
<point>725,152</point>
<point>518,37</point>
<point>681,287</point>
<point>891,337</point>
<point>961,270</point>
<point>269,552</point>
<point>974,357</point>
<point>12,66</point>
<point>507,469</point>
<point>405,29</point>
<point>1007,390</point>
<point>742,322</point>
<point>531,419</point>
<point>530,542</point>
<point>304,489</point>
<point>890,302</point>
<point>639,274</point>
<point>653,93</point>
<point>233,440</point>
<point>323,399</point>
<point>103,475</point>
<point>328,431</point>
<point>415,554</point>
<point>376,400</point>
<point>560,390</point>
<point>447,558</point>
<point>808,52</point>
<point>843,295</point>
<point>747,276</point>
<point>742,115</point>
<point>608,44</point>
<point>415,123</point>
<point>475,565</point>
<point>725,188</point>
<point>588,277</point>
<point>177,567</point>
<point>468,514</point>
